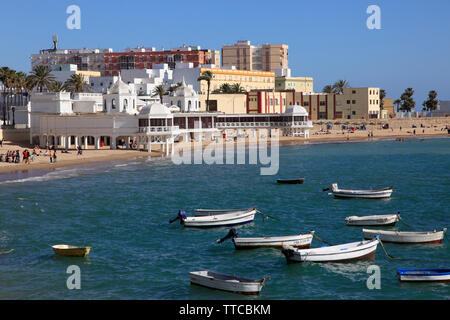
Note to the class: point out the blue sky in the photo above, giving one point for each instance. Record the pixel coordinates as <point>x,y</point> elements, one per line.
<point>328,40</point>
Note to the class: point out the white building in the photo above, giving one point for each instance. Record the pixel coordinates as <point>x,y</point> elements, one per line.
<point>94,119</point>
<point>184,97</point>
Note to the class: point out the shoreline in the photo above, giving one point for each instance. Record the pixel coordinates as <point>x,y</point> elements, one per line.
<point>104,156</point>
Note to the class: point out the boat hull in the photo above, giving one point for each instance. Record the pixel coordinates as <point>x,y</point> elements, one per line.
<point>380,220</point>
<point>290,181</point>
<point>223,220</point>
<point>250,287</point>
<point>299,242</point>
<point>335,254</point>
<point>347,195</point>
<point>405,237</point>
<point>361,194</point>
<point>213,212</point>
<point>72,252</point>
<point>423,275</point>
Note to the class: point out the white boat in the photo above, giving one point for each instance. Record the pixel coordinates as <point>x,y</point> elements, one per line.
<point>363,194</point>
<point>226,282</point>
<point>296,241</point>
<point>361,250</point>
<point>424,275</point>
<point>220,220</point>
<point>215,212</point>
<point>405,236</point>
<point>376,220</point>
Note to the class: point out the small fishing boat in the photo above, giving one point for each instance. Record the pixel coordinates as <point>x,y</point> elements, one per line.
<point>291,181</point>
<point>363,194</point>
<point>214,212</point>
<point>406,237</point>
<point>71,251</point>
<point>376,220</point>
<point>226,282</point>
<point>424,275</point>
<point>220,220</point>
<point>361,250</point>
<point>296,241</point>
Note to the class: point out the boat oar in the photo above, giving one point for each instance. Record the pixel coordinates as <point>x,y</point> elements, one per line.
<point>321,240</point>
<point>385,251</point>
<point>325,189</point>
<point>263,214</point>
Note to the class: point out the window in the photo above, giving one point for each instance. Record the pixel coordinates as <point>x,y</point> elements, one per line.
<point>179,103</point>
<point>353,91</point>
<point>353,112</point>
<point>189,105</point>
<point>125,104</point>
<point>348,101</point>
<point>113,103</point>
<point>322,103</point>
<point>353,101</point>
<point>271,102</point>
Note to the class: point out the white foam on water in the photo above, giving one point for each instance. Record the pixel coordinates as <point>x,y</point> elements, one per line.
<point>53,175</point>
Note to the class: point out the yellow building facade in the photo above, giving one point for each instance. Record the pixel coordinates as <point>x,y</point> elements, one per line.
<point>303,84</point>
<point>249,80</point>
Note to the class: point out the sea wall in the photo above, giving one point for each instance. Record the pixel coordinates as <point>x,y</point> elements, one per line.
<point>15,135</point>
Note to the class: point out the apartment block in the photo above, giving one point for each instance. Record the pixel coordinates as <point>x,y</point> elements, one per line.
<point>244,56</point>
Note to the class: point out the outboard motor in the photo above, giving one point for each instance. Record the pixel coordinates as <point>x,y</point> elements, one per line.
<point>181,215</point>
<point>231,234</point>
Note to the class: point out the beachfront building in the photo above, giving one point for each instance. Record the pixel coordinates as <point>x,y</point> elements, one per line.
<point>84,59</point>
<point>248,80</point>
<point>142,58</point>
<point>300,84</point>
<point>184,98</point>
<point>354,103</point>
<point>244,56</point>
<point>116,119</point>
<point>62,73</point>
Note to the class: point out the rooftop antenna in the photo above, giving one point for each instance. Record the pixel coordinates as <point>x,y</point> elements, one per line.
<point>55,42</point>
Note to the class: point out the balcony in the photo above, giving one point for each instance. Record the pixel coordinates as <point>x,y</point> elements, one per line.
<point>159,130</point>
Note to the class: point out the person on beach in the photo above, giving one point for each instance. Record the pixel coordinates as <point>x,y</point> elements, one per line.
<point>54,156</point>
<point>80,152</point>
<point>51,156</point>
<point>1,143</point>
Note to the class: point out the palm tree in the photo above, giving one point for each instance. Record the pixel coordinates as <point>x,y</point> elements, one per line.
<point>338,86</point>
<point>76,83</point>
<point>328,89</point>
<point>382,96</point>
<point>408,102</point>
<point>206,76</point>
<point>41,77</point>
<point>159,91</point>
<point>398,102</point>
<point>431,103</point>
<point>57,87</point>
<point>173,87</point>
<point>237,88</point>
<point>225,88</point>
<point>7,77</point>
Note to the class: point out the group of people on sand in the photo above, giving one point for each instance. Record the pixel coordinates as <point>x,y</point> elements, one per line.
<point>27,156</point>
<point>10,156</point>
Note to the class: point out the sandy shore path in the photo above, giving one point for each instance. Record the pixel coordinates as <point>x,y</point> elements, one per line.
<point>42,162</point>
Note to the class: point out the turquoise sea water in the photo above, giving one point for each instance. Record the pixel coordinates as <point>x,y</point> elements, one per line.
<point>122,210</point>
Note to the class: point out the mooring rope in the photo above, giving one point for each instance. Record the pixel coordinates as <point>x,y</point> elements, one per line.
<point>403,221</point>
<point>385,251</point>
<point>6,252</point>
<point>263,214</point>
<point>315,236</point>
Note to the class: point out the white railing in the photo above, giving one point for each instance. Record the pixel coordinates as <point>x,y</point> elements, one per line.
<point>264,124</point>
<point>158,130</point>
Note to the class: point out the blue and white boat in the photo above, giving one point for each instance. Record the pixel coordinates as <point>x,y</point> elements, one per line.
<point>424,275</point>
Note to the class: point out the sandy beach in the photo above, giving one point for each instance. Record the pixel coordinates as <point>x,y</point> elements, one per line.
<point>398,128</point>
